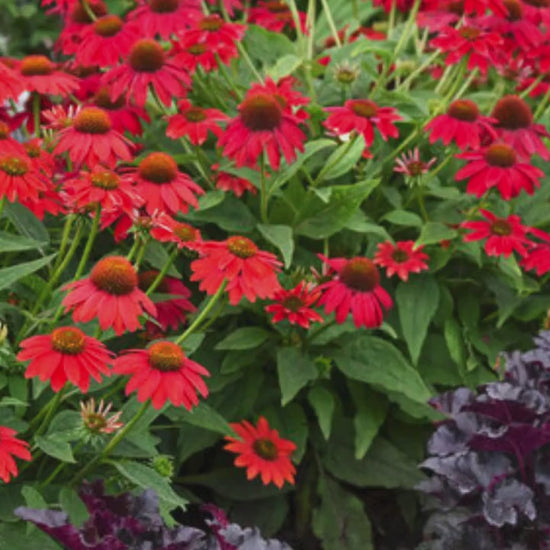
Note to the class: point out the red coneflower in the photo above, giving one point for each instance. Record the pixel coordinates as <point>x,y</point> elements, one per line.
<point>265,123</point>
<point>167,229</point>
<point>238,260</point>
<point>10,446</point>
<point>101,186</point>
<point>229,5</point>
<point>262,451</point>
<point>9,145</point>
<point>104,42</point>
<point>462,124</point>
<point>498,166</point>
<point>48,201</point>
<point>19,179</point>
<point>187,53</point>
<point>237,185</point>
<point>65,354</point>
<point>41,160</point>
<point>538,258</point>
<point>516,127</point>
<point>39,74</point>
<point>362,116</point>
<point>147,66</point>
<point>90,139</point>
<point>10,84</point>
<point>355,288</point>
<point>401,258</point>
<point>275,15</point>
<point>171,313</point>
<point>195,122</point>
<point>295,305</point>
<point>504,235</point>
<point>165,17</point>
<point>162,186</point>
<point>163,373</point>
<point>111,295</point>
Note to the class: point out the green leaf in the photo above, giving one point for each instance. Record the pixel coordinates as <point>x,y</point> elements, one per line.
<point>291,423</point>
<point>12,402</point>
<point>53,446</point>
<point>434,232</point>
<point>344,158</point>
<point>14,536</point>
<point>147,478</point>
<point>73,506</point>
<point>402,217</point>
<point>320,220</point>
<point>26,222</point>
<point>266,46</point>
<point>12,243</point>
<point>371,410</point>
<point>281,237</point>
<point>65,425</point>
<point>10,275</point>
<point>203,416</point>
<point>284,66</point>
<point>417,302</point>
<point>295,370</point>
<point>211,199</point>
<point>340,520</point>
<point>244,338</point>
<point>323,404</point>
<point>232,215</point>
<point>455,343</point>
<point>33,498</point>
<point>375,361</point>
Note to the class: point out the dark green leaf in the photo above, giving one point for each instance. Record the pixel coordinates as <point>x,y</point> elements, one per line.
<point>322,402</point>
<point>73,506</point>
<point>295,370</point>
<point>434,232</point>
<point>15,536</point>
<point>12,243</point>
<point>343,159</point>
<point>202,416</point>
<point>244,338</point>
<point>26,222</point>
<point>33,498</point>
<point>10,275</point>
<point>402,217</point>
<point>231,215</point>
<point>56,447</point>
<point>281,237</point>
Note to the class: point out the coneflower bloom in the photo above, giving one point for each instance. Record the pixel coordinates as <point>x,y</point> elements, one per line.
<point>10,84</point>
<point>10,446</point>
<point>147,66</point>
<point>195,122</point>
<point>97,421</point>
<point>275,15</point>
<point>248,271</point>
<point>296,305</point>
<point>401,258</point>
<point>9,145</point>
<point>362,116</point>
<point>48,201</point>
<point>355,288</point>
<point>463,124</point>
<point>67,354</point>
<point>163,373</point>
<point>411,165</point>
<point>111,295</point>
<point>237,185</point>
<point>19,179</point>
<point>105,41</point>
<point>498,166</point>
<point>166,229</point>
<point>187,53</point>
<point>229,5</point>
<point>504,235</point>
<point>262,451</point>
<point>516,127</point>
<point>39,74</point>
<point>172,312</point>
<point>165,17</point>
<point>265,124</point>
<point>90,139</point>
<point>162,186</point>
<point>538,259</point>
<point>41,160</point>
<point>101,186</point>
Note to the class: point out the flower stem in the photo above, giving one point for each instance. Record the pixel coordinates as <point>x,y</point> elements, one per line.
<point>47,412</point>
<point>162,273</point>
<point>330,21</point>
<point>111,445</point>
<point>264,195</point>
<point>60,467</point>
<point>203,314</point>
<point>36,113</point>
<point>89,244</point>
<point>328,167</point>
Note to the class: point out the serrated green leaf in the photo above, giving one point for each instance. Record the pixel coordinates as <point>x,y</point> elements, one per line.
<point>244,338</point>
<point>10,275</point>
<point>281,237</point>
<point>322,402</point>
<point>417,301</point>
<point>295,370</point>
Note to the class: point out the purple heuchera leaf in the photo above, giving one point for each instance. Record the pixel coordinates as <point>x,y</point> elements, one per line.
<point>503,501</point>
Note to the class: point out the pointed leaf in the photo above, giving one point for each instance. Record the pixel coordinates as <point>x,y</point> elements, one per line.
<point>10,275</point>
<point>281,237</point>
<point>244,338</point>
<point>295,370</point>
<point>323,404</point>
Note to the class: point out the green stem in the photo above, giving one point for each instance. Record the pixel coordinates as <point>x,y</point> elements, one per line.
<point>407,82</point>
<point>421,204</point>
<point>162,273</point>
<point>2,205</point>
<point>49,411</point>
<point>111,445</point>
<point>330,21</point>
<point>533,85</point>
<point>36,113</point>
<point>86,6</point>
<point>542,105</point>
<point>64,239</point>
<point>203,314</point>
<point>248,61</point>
<point>89,244</point>
<point>60,467</point>
<point>133,250</point>
<point>141,252</point>
<point>315,333</point>
<point>328,167</point>
<point>264,196</point>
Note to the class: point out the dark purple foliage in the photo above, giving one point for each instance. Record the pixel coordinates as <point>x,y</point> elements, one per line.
<point>128,522</point>
<point>490,461</point>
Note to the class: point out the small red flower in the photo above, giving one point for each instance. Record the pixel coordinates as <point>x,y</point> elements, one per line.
<point>249,271</point>
<point>147,66</point>
<point>90,139</point>
<point>65,354</point>
<point>462,124</point>
<point>162,373</point>
<point>538,258</point>
<point>498,166</point>
<point>262,451</point>
<point>105,41</point>
<point>162,186</point>
<point>39,74</point>
<point>171,313</point>
<point>111,295</point>
<point>362,116</point>
<point>19,179</point>
<point>195,123</point>
<point>295,305</point>
<point>9,145</point>
<point>516,127</point>
<point>265,123</point>
<point>166,229</point>
<point>229,182</point>
<point>10,84</point>
<point>10,446</point>
<point>504,235</point>
<point>355,288</point>
<point>401,259</point>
